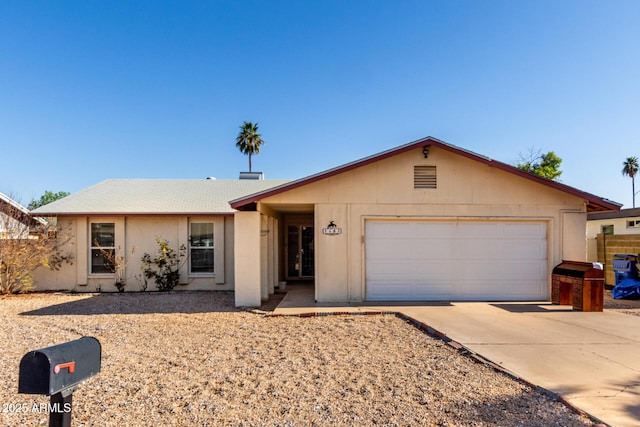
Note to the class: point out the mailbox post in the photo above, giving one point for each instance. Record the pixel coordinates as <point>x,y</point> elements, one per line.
<point>57,371</point>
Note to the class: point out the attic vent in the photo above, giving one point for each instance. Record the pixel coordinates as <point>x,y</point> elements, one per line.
<point>424,177</point>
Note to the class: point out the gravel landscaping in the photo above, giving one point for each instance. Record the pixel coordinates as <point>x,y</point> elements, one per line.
<point>626,306</point>
<point>192,359</point>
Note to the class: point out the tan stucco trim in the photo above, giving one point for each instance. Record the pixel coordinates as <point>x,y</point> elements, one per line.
<point>573,223</point>
<point>219,250</point>
<point>82,251</point>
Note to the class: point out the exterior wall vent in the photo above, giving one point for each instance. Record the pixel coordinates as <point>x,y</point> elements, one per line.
<point>252,175</point>
<point>425,177</point>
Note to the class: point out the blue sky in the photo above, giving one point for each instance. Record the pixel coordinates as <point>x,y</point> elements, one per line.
<point>91,90</point>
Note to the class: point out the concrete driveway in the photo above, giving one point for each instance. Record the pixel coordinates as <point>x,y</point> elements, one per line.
<point>591,359</point>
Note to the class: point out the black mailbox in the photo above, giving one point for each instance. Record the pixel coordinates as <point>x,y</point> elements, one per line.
<point>55,369</point>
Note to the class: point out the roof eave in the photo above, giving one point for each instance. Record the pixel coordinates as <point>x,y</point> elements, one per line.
<point>594,203</point>
<point>70,214</point>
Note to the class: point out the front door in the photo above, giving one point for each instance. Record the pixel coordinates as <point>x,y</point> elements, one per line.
<point>300,263</point>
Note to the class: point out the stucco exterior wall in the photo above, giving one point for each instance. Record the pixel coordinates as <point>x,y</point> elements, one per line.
<point>66,278</point>
<point>248,259</point>
<point>134,236</point>
<point>466,190</point>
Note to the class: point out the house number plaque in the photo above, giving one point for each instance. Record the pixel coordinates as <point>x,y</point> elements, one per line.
<point>332,229</point>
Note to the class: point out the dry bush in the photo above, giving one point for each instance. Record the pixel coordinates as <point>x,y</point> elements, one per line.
<point>27,243</point>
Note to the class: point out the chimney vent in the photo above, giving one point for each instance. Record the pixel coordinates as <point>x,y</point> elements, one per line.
<point>252,175</point>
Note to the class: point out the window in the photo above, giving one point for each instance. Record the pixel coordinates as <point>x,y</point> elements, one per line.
<point>607,229</point>
<point>634,223</point>
<point>201,247</point>
<point>102,239</point>
<point>424,177</point>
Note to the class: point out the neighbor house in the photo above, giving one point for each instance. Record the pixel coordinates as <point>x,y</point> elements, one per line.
<point>423,221</point>
<point>624,221</point>
<point>610,234</point>
<point>15,219</point>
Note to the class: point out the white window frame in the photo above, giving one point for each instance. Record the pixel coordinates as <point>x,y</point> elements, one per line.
<point>633,223</point>
<point>199,248</point>
<point>92,247</point>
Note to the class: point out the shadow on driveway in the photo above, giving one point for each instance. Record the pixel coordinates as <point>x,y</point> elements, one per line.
<point>533,308</point>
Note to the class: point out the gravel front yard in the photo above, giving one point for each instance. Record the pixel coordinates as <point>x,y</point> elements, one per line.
<point>192,359</point>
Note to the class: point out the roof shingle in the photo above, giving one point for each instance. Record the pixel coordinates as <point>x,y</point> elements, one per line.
<point>157,196</point>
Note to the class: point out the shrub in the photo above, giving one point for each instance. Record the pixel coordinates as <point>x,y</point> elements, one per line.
<point>164,266</point>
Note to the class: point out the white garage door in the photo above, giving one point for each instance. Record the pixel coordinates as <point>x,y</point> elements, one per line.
<point>490,261</point>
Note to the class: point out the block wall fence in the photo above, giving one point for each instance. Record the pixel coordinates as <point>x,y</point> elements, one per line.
<point>611,244</point>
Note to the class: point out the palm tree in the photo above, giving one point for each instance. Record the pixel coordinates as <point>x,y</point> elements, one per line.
<point>249,140</point>
<point>630,168</point>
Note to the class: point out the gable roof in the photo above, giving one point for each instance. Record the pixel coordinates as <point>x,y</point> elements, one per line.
<point>156,196</point>
<point>594,203</point>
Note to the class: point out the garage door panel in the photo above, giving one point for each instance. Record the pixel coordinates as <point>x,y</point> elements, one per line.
<point>466,260</point>
<point>502,249</point>
<point>471,231</point>
<point>408,291</point>
<point>525,230</point>
<point>529,249</point>
<point>440,290</point>
<point>512,271</point>
<point>411,229</point>
<point>502,231</point>
<point>412,271</point>
<point>434,271</point>
<point>413,249</point>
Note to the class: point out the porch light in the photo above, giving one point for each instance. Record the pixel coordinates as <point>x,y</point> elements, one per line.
<point>425,151</point>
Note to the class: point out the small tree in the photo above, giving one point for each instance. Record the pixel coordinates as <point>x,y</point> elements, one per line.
<point>249,140</point>
<point>164,266</point>
<point>117,263</point>
<point>544,165</point>
<point>46,198</point>
<point>25,245</point>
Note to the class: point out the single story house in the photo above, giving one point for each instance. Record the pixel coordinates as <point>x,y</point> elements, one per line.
<point>623,221</point>
<point>422,221</point>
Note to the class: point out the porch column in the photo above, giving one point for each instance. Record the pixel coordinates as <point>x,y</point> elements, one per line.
<point>271,257</point>
<point>247,260</point>
<point>264,257</point>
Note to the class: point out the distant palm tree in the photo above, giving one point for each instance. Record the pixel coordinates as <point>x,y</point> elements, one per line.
<point>630,168</point>
<point>249,140</point>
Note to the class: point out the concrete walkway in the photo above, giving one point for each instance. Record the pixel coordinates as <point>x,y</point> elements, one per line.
<point>591,359</point>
